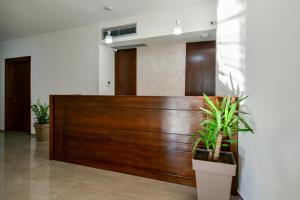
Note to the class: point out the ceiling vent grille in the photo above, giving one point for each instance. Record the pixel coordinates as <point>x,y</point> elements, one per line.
<point>120,31</point>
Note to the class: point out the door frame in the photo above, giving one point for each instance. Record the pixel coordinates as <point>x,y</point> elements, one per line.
<point>8,60</point>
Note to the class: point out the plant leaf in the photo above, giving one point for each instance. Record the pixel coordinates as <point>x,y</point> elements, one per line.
<point>206,111</point>
<point>196,144</point>
<point>210,103</point>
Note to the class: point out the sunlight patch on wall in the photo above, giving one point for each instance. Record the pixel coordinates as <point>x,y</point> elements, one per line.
<point>231,47</point>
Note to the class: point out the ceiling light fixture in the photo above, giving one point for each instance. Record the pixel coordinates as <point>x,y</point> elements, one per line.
<point>177,29</point>
<point>204,35</point>
<point>108,8</point>
<point>108,38</point>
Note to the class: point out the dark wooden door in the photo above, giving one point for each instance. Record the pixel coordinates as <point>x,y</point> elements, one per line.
<point>125,72</point>
<point>17,94</point>
<point>200,68</point>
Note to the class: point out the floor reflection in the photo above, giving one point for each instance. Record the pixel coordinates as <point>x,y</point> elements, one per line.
<point>27,174</point>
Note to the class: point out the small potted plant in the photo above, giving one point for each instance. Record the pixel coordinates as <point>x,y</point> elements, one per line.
<point>41,125</point>
<point>214,168</point>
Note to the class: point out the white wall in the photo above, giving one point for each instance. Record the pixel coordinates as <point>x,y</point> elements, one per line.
<point>106,70</point>
<point>161,70</point>
<point>64,62</point>
<point>258,42</point>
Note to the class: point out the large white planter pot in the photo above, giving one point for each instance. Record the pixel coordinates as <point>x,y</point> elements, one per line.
<point>42,132</point>
<point>214,178</point>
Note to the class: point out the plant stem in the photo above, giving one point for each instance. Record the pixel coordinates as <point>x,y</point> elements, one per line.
<point>210,155</point>
<point>218,147</point>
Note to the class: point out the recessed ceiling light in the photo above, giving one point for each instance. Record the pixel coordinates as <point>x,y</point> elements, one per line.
<point>108,8</point>
<point>204,35</point>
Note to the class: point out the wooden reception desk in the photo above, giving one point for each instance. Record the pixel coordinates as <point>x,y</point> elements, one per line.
<point>143,136</point>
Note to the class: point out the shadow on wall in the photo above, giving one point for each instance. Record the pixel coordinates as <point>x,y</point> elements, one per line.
<point>231,49</point>
<point>231,58</point>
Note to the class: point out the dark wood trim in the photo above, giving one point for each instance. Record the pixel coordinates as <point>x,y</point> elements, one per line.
<point>51,128</point>
<point>16,59</point>
<point>234,150</point>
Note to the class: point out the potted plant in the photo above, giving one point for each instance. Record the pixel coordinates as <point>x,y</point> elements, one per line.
<point>41,125</point>
<point>214,168</point>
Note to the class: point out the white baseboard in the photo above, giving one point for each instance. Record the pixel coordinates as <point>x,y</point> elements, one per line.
<point>240,194</point>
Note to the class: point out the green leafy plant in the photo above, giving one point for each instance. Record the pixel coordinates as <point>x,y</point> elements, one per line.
<point>223,121</point>
<point>41,112</point>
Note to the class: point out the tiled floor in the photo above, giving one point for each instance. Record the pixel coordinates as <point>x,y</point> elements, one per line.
<point>26,173</point>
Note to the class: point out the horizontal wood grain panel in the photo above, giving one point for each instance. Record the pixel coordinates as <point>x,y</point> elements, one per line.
<point>190,181</point>
<point>136,142</point>
<point>141,135</point>
<point>175,103</point>
<point>126,119</point>
<point>127,155</point>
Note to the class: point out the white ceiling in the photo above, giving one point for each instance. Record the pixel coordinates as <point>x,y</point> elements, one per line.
<point>20,18</point>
